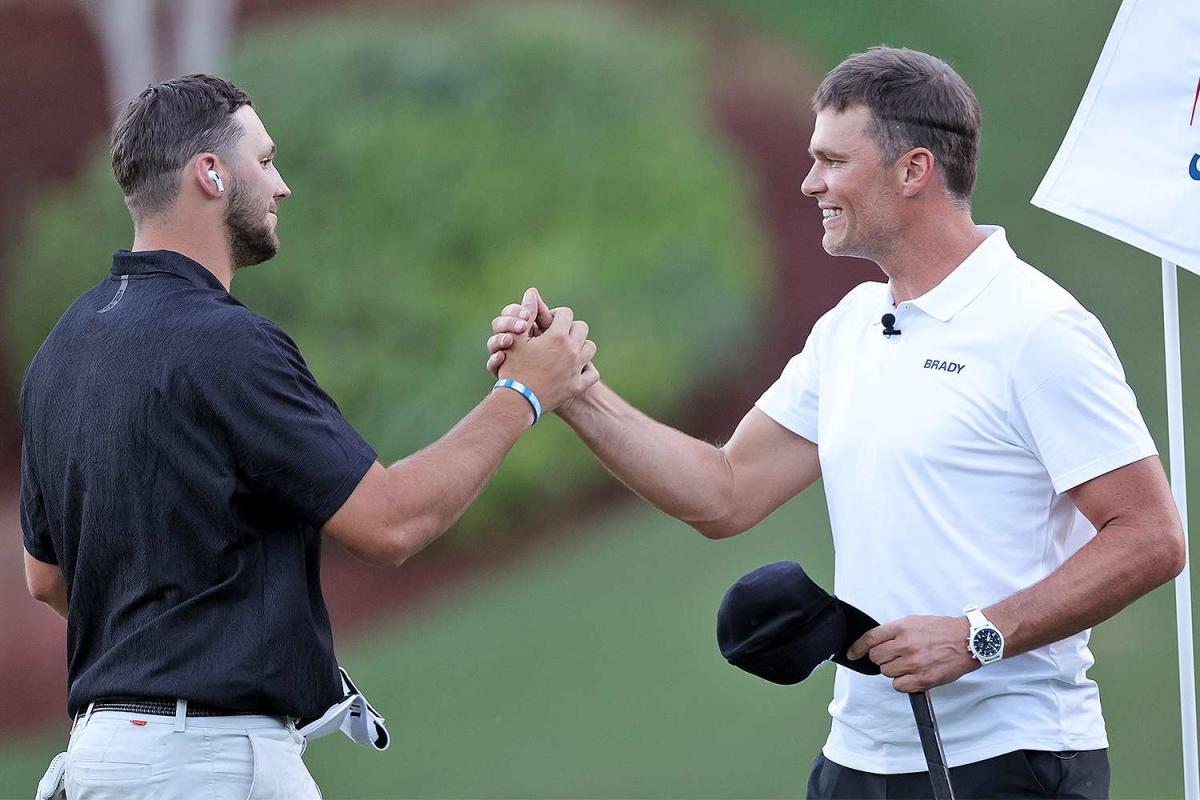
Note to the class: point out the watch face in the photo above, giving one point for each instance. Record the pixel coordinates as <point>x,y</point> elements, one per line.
<point>987,643</point>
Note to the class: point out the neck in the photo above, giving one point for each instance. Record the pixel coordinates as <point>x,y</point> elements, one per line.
<point>924,260</point>
<point>202,246</point>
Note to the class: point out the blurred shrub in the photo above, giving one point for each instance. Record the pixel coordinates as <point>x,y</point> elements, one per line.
<point>439,167</point>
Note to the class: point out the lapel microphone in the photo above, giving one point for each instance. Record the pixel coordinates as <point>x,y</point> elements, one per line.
<point>889,322</point>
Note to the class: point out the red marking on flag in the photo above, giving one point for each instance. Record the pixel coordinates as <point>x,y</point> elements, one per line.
<point>1197,100</point>
<point>137,722</point>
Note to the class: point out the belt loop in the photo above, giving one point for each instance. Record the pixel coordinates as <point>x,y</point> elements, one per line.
<point>180,716</point>
<point>81,718</point>
<point>88,715</point>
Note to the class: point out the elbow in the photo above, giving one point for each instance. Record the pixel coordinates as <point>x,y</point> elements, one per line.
<point>399,543</point>
<point>725,513</point>
<point>393,556</point>
<point>386,548</point>
<point>723,518</point>
<point>717,534</point>
<point>394,549</point>
<point>720,527</point>
<point>44,591</point>
<point>1174,554</point>
<point>1163,556</point>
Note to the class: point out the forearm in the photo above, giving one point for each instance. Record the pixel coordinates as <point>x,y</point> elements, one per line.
<point>436,485</point>
<point>1118,566</point>
<point>680,475</point>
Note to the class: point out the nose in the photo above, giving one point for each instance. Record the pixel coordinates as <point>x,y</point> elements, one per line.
<point>813,184</point>
<point>282,190</point>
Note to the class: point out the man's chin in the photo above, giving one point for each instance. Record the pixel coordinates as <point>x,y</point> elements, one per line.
<point>259,253</point>
<point>834,247</point>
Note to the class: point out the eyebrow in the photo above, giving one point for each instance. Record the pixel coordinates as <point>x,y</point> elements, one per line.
<point>828,154</point>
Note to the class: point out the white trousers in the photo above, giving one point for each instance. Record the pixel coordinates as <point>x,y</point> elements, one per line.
<point>116,754</point>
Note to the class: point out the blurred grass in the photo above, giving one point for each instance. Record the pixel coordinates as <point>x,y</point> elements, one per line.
<point>592,671</point>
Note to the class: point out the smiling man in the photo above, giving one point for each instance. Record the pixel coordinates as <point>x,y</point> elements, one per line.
<point>1005,498</point>
<point>180,464</point>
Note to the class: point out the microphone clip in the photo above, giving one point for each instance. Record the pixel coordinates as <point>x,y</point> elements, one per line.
<point>889,325</point>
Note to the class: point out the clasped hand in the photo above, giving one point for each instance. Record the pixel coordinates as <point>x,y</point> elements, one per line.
<point>546,349</point>
<point>918,653</point>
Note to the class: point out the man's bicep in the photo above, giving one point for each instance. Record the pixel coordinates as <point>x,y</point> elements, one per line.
<point>1136,490</point>
<point>360,525</point>
<point>770,464</point>
<point>44,580</point>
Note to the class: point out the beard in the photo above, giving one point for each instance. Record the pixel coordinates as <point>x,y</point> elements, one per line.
<point>251,240</point>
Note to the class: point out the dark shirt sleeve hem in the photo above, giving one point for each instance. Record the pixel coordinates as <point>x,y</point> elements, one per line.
<point>360,463</point>
<point>44,555</point>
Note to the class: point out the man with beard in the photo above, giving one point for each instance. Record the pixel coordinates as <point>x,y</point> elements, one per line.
<point>180,464</point>
<point>993,491</point>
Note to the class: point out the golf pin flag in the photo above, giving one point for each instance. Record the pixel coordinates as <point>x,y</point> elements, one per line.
<point>1129,166</point>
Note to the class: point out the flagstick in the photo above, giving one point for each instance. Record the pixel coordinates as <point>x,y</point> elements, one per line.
<point>1183,585</point>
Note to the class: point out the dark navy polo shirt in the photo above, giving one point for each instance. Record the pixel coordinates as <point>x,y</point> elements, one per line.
<point>178,463</point>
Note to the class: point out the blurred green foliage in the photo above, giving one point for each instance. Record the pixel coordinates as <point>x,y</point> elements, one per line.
<point>438,168</point>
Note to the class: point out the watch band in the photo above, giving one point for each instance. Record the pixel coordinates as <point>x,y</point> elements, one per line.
<point>975,617</point>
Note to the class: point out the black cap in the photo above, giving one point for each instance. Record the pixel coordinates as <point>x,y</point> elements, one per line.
<point>777,624</point>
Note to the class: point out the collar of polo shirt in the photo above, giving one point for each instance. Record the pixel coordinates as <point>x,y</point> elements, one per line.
<point>141,263</point>
<point>967,280</point>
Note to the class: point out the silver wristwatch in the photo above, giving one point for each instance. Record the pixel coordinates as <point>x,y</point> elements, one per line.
<point>985,642</point>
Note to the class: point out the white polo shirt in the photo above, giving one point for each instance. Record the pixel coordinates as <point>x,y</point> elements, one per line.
<point>946,453</point>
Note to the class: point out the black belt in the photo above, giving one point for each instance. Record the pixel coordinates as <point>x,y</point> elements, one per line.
<point>166,708</point>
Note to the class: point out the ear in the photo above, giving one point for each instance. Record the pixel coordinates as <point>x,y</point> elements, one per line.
<point>201,166</point>
<point>917,170</point>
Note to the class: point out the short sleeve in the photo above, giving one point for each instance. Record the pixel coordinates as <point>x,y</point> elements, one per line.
<point>288,437</point>
<point>793,399</point>
<point>1070,403</point>
<point>35,527</point>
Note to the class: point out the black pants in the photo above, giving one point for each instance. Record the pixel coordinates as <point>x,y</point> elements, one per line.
<point>1022,773</point>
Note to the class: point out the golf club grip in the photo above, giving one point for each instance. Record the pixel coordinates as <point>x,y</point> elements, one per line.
<point>931,743</point>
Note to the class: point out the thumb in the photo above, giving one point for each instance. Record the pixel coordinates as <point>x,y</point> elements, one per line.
<point>543,314</point>
<point>530,302</point>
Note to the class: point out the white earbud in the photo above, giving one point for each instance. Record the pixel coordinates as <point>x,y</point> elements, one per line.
<point>212,173</point>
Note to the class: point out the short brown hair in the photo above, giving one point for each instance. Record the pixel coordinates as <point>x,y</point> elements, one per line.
<point>164,127</point>
<point>915,100</point>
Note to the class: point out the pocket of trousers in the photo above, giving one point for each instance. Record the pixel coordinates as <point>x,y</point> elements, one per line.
<point>1047,770</point>
<point>279,771</point>
<point>97,756</point>
<point>109,771</point>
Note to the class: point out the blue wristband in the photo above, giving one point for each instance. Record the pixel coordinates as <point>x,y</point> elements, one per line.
<point>526,392</point>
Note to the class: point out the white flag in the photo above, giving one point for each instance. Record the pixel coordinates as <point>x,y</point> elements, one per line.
<point>1130,164</point>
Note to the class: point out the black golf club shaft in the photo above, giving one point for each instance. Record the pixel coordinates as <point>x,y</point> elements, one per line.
<point>931,743</point>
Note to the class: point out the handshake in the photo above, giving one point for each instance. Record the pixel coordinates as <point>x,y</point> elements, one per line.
<point>546,349</point>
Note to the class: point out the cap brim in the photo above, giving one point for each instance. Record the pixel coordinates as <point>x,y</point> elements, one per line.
<point>857,623</point>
